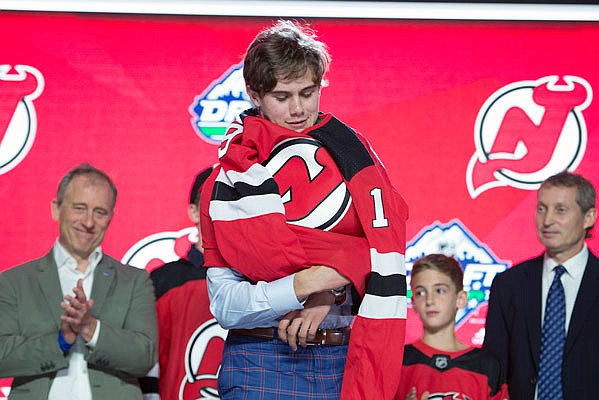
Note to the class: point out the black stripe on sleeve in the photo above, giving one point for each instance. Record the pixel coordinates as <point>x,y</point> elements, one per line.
<point>386,285</point>
<point>240,190</point>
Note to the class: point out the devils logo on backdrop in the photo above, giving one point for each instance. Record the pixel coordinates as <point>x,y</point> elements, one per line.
<point>19,86</point>
<point>528,131</point>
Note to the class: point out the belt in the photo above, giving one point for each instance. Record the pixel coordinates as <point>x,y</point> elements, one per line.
<point>332,337</point>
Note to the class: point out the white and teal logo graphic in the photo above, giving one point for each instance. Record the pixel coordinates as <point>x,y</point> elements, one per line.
<point>480,265</point>
<point>213,111</point>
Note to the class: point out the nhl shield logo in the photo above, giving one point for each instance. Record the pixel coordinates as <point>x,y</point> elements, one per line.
<point>441,361</point>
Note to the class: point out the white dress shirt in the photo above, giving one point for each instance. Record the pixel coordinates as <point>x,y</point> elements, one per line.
<point>237,303</point>
<point>73,383</point>
<point>571,280</point>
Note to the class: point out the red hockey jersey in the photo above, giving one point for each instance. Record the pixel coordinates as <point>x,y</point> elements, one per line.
<point>190,340</point>
<point>470,374</point>
<point>251,229</point>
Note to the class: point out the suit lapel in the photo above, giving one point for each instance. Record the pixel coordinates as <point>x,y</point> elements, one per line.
<point>532,288</point>
<point>104,276</point>
<point>585,300</point>
<point>49,283</point>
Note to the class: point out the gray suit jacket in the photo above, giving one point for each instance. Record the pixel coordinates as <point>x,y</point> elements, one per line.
<point>30,297</point>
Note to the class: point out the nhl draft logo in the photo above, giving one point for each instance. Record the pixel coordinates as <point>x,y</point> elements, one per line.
<point>214,110</point>
<point>19,86</point>
<point>528,131</point>
<point>480,266</point>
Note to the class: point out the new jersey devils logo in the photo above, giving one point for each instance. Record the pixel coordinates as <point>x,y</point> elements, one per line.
<point>157,249</point>
<point>528,131</point>
<point>18,122</point>
<point>201,366</point>
<point>302,166</point>
<point>447,396</point>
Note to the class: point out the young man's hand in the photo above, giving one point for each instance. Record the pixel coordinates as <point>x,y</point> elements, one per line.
<point>299,326</point>
<point>315,279</point>
<point>412,395</point>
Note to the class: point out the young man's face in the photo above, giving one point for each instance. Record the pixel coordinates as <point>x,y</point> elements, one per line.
<point>561,225</point>
<point>84,215</point>
<point>292,104</point>
<point>436,300</point>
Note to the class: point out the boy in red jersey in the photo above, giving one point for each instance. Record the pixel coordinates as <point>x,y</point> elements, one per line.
<point>439,366</point>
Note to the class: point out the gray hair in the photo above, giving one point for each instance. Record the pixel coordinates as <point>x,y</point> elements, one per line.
<point>89,171</point>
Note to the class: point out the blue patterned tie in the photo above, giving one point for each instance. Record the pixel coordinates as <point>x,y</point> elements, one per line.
<point>553,338</point>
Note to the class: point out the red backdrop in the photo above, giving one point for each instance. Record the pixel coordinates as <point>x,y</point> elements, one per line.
<point>435,98</point>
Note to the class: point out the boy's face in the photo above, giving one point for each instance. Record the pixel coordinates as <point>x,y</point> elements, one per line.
<point>292,104</point>
<point>436,300</point>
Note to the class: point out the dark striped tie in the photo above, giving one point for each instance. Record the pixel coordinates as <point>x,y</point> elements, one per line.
<point>553,337</point>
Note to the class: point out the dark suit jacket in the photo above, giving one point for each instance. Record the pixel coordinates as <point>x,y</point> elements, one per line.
<point>30,320</point>
<point>513,331</point>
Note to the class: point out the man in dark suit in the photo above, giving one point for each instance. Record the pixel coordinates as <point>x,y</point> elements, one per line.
<point>517,306</point>
<point>76,323</point>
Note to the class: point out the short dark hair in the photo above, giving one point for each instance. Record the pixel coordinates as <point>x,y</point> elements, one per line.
<point>585,191</point>
<point>446,265</point>
<point>196,188</point>
<point>90,172</point>
<point>284,51</point>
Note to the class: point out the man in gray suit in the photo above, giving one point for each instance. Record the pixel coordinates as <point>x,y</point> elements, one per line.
<point>76,323</point>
